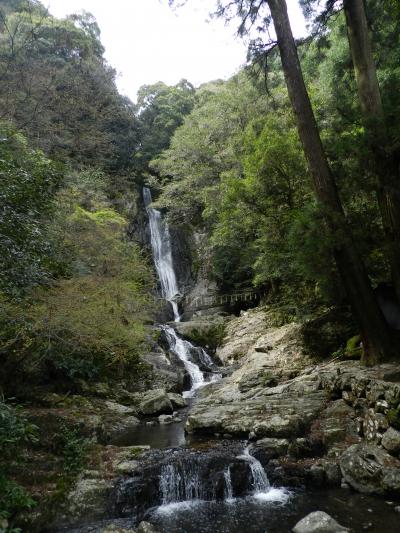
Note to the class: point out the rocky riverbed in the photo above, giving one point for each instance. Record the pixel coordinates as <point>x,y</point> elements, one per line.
<point>330,423</point>
<point>315,428</point>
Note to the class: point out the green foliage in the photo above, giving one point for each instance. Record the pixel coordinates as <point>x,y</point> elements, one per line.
<point>28,184</point>
<point>393,417</point>
<point>75,449</point>
<point>13,500</point>
<point>57,87</point>
<point>15,431</point>
<point>160,110</point>
<point>353,348</point>
<point>92,323</point>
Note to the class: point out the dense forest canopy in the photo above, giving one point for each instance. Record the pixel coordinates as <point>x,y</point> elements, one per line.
<point>233,160</point>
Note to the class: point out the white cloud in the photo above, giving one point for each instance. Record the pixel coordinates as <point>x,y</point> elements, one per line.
<point>146,41</point>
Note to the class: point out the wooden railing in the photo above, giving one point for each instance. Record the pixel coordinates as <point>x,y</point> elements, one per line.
<point>209,300</point>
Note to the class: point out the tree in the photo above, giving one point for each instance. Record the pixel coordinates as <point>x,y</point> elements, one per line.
<point>386,164</point>
<point>377,338</point>
<point>160,110</point>
<point>57,87</point>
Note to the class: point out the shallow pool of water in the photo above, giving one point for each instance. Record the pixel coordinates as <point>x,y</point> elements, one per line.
<point>158,436</point>
<point>254,515</point>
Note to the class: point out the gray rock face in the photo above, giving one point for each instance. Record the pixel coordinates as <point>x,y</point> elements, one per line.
<point>156,402</point>
<point>277,416</point>
<point>391,441</point>
<point>88,499</point>
<point>318,522</point>
<point>370,469</point>
<point>270,448</point>
<point>177,400</point>
<point>250,402</point>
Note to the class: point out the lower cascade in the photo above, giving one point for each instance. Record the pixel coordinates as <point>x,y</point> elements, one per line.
<point>260,479</point>
<point>184,350</point>
<point>197,479</point>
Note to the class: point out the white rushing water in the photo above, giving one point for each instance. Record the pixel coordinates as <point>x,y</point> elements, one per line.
<point>180,484</point>
<point>162,254</point>
<point>261,485</point>
<point>228,491</point>
<point>161,246</point>
<point>182,349</point>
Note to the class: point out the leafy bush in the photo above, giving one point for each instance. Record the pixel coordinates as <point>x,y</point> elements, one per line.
<point>14,431</point>
<point>74,451</point>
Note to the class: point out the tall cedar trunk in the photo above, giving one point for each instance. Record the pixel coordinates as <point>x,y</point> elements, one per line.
<point>375,333</point>
<point>385,166</point>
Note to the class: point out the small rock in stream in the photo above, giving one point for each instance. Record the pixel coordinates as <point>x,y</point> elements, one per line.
<point>318,522</point>
<point>166,419</point>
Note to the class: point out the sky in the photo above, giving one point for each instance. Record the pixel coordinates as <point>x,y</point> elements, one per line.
<point>146,41</point>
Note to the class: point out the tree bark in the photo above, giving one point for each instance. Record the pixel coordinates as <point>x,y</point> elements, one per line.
<point>376,335</point>
<point>385,166</point>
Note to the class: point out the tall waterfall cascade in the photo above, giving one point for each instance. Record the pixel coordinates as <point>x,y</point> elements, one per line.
<point>162,254</point>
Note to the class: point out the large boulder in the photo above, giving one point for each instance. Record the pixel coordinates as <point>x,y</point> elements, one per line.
<point>391,441</point>
<point>371,470</point>
<point>318,522</point>
<point>177,400</point>
<point>87,500</point>
<point>156,402</point>
<point>207,332</point>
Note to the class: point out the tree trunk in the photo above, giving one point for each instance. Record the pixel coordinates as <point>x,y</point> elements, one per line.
<point>385,167</point>
<point>375,333</point>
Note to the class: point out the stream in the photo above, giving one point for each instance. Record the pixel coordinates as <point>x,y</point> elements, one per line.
<point>192,485</point>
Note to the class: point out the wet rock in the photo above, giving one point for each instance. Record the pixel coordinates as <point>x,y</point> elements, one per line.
<point>370,469</point>
<point>266,449</point>
<point>391,441</point>
<point>119,409</point>
<point>167,372</point>
<point>125,468</point>
<point>166,419</point>
<point>318,522</point>
<point>178,401</point>
<point>391,482</point>
<point>156,402</point>
<point>88,500</point>
<point>113,528</point>
<point>205,331</point>
<point>146,527</point>
<point>375,424</point>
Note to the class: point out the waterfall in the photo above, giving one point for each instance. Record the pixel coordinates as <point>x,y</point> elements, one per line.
<point>182,349</point>
<point>228,492</point>
<point>180,483</point>
<point>161,245</point>
<point>260,481</point>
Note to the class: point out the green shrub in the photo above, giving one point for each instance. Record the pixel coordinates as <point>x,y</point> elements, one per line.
<point>75,449</point>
